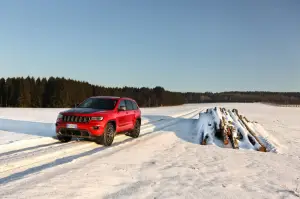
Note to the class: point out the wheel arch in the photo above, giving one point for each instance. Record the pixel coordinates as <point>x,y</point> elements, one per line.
<point>139,119</point>
<point>113,122</point>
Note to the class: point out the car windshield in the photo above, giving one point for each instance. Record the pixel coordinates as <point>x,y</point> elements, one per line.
<point>98,103</point>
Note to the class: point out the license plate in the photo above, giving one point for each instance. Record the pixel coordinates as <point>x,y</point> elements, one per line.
<point>72,126</point>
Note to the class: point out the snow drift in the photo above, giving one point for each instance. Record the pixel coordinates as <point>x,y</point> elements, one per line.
<point>228,129</point>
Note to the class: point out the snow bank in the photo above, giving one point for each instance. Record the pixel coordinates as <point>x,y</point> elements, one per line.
<point>226,128</point>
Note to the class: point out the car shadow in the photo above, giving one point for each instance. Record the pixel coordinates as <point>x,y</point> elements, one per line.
<point>27,127</point>
<point>146,119</point>
<point>187,130</point>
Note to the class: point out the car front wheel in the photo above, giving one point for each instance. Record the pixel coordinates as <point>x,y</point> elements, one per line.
<point>108,136</point>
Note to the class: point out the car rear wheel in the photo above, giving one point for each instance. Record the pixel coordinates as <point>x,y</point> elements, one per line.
<point>136,131</point>
<point>108,136</point>
<point>63,138</point>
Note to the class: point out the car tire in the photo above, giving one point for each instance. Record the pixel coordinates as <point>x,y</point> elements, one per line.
<point>108,136</point>
<point>63,138</point>
<point>134,133</point>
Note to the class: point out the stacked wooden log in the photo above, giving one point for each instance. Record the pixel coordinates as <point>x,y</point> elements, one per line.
<point>262,148</point>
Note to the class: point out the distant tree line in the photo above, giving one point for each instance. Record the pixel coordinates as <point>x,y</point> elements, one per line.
<point>57,92</point>
<point>246,97</point>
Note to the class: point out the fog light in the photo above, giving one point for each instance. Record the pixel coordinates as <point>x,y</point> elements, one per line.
<point>95,127</point>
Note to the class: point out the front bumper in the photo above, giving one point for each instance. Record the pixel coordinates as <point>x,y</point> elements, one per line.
<point>74,133</point>
<point>81,130</point>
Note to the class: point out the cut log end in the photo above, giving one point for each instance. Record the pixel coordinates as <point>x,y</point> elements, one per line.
<point>262,149</point>
<point>226,141</point>
<point>229,131</point>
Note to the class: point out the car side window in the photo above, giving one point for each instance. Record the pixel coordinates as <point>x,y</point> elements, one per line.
<point>129,105</point>
<point>135,107</point>
<point>122,103</point>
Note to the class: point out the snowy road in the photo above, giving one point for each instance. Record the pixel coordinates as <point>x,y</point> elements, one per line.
<point>165,162</point>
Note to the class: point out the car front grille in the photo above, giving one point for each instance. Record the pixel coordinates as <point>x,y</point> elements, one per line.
<point>74,118</point>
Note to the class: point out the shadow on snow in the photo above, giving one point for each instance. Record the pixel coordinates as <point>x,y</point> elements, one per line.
<point>28,127</point>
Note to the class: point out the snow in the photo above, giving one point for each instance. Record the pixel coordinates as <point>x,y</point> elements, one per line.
<point>19,124</point>
<point>167,161</point>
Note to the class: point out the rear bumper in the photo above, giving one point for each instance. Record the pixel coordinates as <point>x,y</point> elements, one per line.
<point>82,130</point>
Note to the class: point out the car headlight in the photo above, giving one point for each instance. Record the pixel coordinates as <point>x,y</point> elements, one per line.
<point>97,118</point>
<point>59,116</point>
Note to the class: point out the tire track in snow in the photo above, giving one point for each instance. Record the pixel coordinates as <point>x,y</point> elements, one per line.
<point>50,143</point>
<point>41,154</point>
<point>26,149</point>
<point>13,160</point>
<point>29,150</point>
<point>69,159</point>
<point>58,168</point>
<point>37,164</point>
<point>16,154</point>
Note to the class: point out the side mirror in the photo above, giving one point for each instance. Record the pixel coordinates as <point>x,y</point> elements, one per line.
<point>122,108</point>
<point>75,105</point>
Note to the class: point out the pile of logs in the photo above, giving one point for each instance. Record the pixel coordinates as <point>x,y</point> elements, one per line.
<point>232,132</point>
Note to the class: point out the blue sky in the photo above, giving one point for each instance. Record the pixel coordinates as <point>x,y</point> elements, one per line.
<point>180,45</point>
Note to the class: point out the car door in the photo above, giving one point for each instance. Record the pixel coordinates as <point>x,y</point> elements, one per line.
<point>121,116</point>
<point>130,114</point>
<point>137,111</point>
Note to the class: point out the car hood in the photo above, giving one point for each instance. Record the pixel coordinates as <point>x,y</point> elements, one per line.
<point>84,111</point>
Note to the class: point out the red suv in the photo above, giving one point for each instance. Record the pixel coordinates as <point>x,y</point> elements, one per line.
<point>100,118</point>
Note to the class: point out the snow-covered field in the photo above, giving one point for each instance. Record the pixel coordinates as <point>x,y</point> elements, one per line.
<point>166,161</point>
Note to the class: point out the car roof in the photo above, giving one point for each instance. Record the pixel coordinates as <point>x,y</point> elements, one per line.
<point>112,97</point>
<point>109,97</point>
